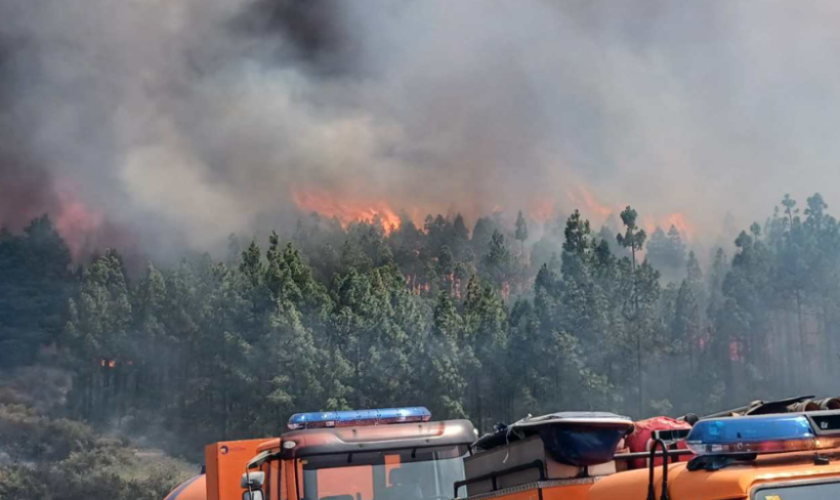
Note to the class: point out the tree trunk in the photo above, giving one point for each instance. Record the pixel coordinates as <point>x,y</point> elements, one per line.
<point>639,372</point>
<point>800,342</point>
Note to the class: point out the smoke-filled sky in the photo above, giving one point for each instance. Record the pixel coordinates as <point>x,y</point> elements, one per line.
<point>175,122</point>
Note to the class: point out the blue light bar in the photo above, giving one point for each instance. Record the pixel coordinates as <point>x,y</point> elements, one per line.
<point>359,417</point>
<point>761,434</point>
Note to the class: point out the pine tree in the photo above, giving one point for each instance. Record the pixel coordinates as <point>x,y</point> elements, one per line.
<point>639,294</point>
<point>486,334</point>
<point>584,301</point>
<point>744,315</point>
<point>439,233</point>
<point>677,247</point>
<point>405,244</point>
<point>496,263</point>
<point>154,360</point>
<point>460,242</point>
<point>714,339</point>
<point>482,233</point>
<point>823,268</point>
<point>35,285</point>
<point>792,280</point>
<point>633,237</point>
<point>687,325</point>
<point>99,331</point>
<point>667,252</point>
<point>234,250</point>
<point>443,362</point>
<point>521,232</point>
<point>658,247</point>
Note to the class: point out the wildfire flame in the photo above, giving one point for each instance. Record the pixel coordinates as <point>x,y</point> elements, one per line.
<point>679,221</point>
<point>541,210</point>
<point>584,200</point>
<point>675,219</point>
<point>599,212</point>
<point>75,222</point>
<point>347,210</point>
<point>112,363</point>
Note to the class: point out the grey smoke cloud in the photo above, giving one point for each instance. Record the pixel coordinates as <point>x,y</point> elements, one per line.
<point>186,120</point>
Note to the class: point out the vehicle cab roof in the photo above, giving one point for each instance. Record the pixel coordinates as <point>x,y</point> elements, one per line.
<point>361,438</point>
<point>734,481</point>
<point>270,445</point>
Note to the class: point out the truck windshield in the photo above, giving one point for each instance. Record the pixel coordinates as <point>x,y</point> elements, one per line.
<point>414,474</point>
<point>800,492</point>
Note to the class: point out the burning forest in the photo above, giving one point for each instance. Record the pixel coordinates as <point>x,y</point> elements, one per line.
<point>216,213</point>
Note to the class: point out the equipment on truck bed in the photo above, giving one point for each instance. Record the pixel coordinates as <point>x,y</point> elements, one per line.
<point>573,438</point>
<point>554,446</point>
<point>798,403</point>
<point>646,432</point>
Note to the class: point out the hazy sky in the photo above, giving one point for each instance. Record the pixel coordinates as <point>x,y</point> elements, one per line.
<point>180,121</point>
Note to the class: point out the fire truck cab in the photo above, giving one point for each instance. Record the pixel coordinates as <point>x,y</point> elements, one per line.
<point>389,454</point>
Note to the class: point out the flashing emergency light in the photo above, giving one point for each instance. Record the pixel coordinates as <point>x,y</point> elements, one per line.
<point>359,417</point>
<point>758,435</point>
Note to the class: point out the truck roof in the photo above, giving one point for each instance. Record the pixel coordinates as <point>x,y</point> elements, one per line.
<point>360,438</point>
<point>271,444</point>
<point>734,481</point>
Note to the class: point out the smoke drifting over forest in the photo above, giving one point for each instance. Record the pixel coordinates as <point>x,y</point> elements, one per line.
<point>162,124</point>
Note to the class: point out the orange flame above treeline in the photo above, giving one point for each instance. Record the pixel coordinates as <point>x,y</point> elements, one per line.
<point>591,207</point>
<point>541,209</point>
<point>75,222</point>
<point>680,221</point>
<point>348,210</point>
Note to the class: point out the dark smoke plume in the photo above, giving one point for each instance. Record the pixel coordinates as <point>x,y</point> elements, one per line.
<point>181,121</point>
<point>311,34</point>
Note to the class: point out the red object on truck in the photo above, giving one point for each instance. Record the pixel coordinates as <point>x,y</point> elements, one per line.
<point>670,430</point>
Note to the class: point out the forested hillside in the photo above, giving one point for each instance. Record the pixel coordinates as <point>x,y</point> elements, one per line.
<point>487,323</point>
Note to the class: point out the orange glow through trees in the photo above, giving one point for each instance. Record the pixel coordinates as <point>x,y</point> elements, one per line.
<point>676,219</point>
<point>541,210</point>
<point>680,222</point>
<point>75,222</point>
<point>589,205</point>
<point>347,210</point>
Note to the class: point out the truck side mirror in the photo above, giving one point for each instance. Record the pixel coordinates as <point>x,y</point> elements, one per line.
<point>253,480</point>
<point>252,483</point>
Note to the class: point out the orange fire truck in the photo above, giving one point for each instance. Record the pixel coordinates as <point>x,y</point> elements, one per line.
<point>387,454</point>
<point>751,453</point>
<point>787,450</point>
